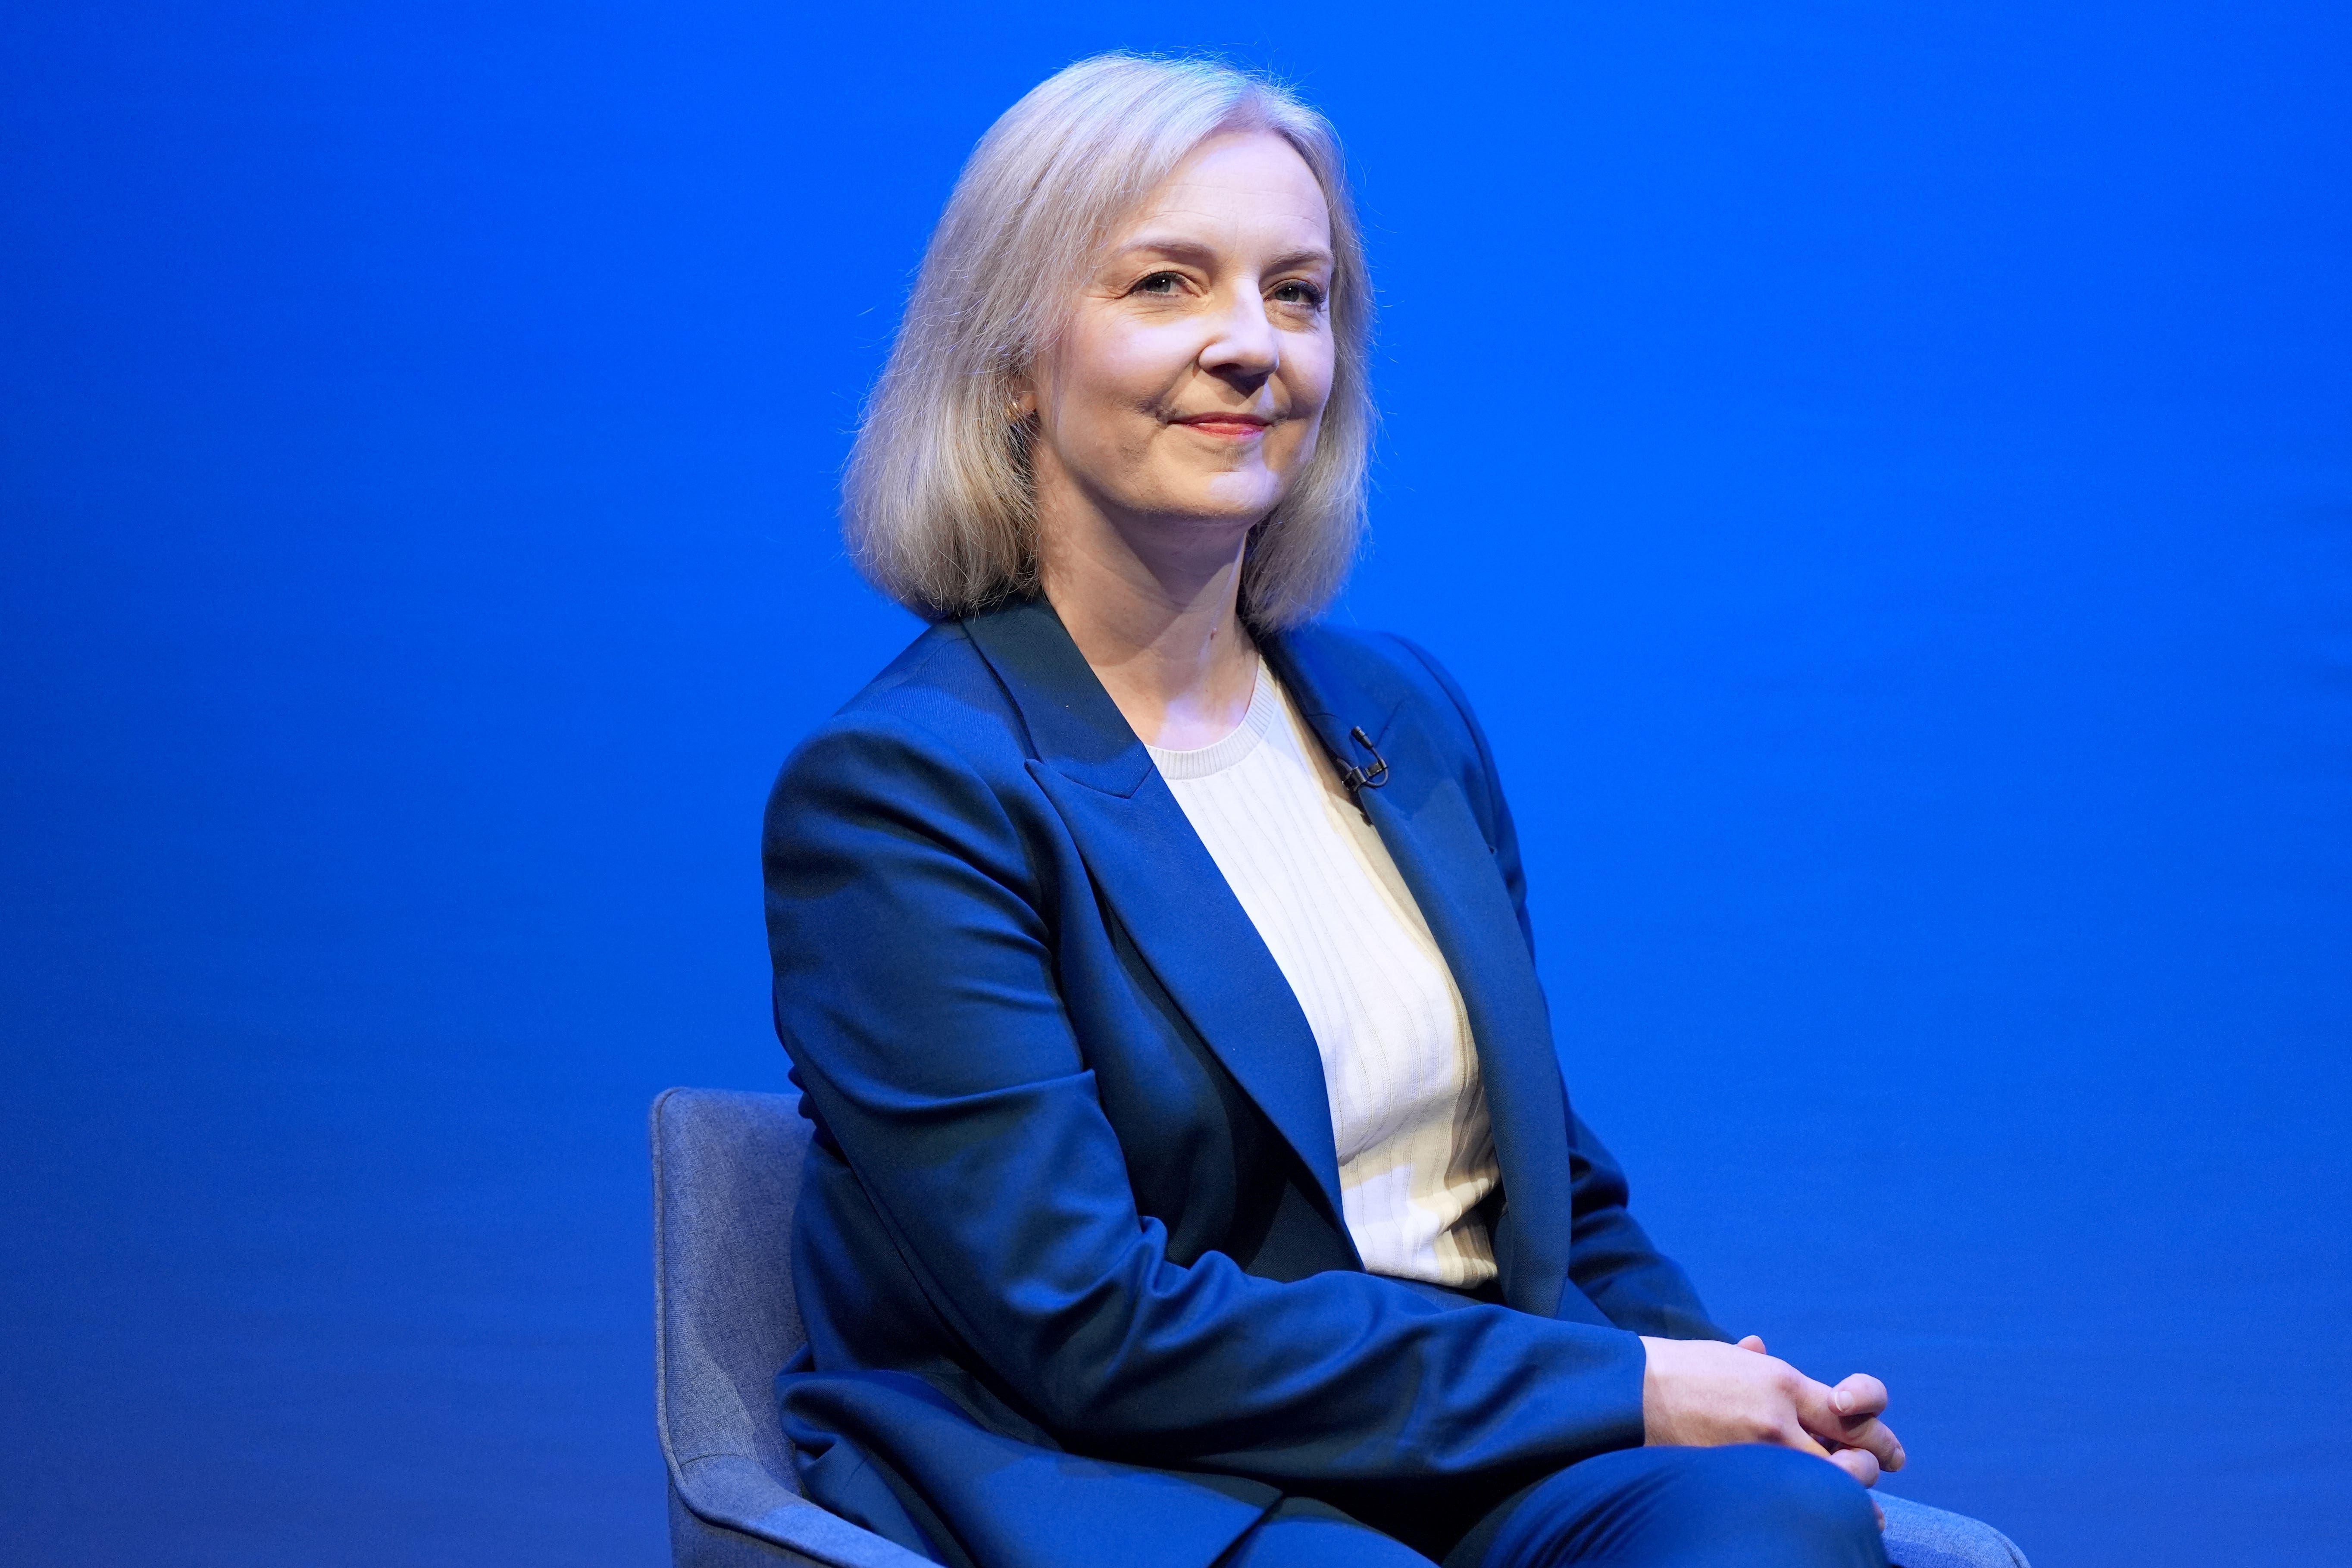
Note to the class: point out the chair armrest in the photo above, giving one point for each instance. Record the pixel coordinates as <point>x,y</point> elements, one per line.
<point>731,1489</point>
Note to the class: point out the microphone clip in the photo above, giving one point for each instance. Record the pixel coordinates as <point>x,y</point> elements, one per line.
<point>1358,779</point>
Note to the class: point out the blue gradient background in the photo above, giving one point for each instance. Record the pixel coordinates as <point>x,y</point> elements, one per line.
<point>1884,470</point>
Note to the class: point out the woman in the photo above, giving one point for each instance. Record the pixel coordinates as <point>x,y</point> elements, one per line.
<point>1193,1182</point>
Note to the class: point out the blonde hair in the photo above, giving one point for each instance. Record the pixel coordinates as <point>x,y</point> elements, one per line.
<point>938,509</point>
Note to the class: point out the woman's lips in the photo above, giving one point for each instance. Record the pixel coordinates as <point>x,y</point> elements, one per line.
<point>1231,426</point>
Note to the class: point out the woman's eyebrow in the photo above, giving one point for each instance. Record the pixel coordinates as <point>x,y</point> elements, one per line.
<point>1175,248</point>
<point>1171,247</point>
<point>1313,256</point>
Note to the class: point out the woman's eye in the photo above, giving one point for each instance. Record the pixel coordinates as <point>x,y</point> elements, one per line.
<point>1298,293</point>
<point>1159,283</point>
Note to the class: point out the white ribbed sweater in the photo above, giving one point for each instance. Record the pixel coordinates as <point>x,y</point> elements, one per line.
<point>1408,1110</point>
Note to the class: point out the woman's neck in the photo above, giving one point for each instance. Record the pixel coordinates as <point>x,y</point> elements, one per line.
<point>1162,634</point>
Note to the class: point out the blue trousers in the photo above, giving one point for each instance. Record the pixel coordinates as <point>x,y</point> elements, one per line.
<point>1748,1507</point>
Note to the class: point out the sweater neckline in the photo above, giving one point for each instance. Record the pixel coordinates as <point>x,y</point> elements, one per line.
<point>1201,761</point>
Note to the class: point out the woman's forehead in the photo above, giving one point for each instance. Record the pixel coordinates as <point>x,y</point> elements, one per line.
<point>1254,181</point>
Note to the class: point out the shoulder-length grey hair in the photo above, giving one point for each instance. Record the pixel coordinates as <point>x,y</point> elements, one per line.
<point>937,509</point>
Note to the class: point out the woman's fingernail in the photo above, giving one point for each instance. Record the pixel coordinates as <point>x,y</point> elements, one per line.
<point>1843,1401</point>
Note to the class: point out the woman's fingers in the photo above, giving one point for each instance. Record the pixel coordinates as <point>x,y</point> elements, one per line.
<point>1854,1427</point>
<point>1860,1399</point>
<point>1805,1442</point>
<point>1860,1395</point>
<point>1859,1463</point>
<point>1879,1441</point>
<point>1754,1342</point>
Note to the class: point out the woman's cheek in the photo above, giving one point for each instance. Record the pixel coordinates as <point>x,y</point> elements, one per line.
<point>1300,446</point>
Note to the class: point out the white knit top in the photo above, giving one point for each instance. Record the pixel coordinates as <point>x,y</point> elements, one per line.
<point>1408,1110</point>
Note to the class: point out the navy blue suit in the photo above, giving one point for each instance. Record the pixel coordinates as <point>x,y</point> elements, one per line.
<point>1076,1283</point>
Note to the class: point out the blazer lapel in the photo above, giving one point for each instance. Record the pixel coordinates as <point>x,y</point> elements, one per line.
<point>1159,878</point>
<point>1430,832</point>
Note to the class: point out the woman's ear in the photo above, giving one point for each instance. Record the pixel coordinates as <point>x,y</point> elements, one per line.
<point>1023,401</point>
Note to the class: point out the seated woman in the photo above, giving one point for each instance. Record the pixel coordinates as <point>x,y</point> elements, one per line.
<point>1193,1180</point>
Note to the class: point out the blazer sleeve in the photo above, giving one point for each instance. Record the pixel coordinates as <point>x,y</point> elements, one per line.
<point>916,995</point>
<point>1611,1258</point>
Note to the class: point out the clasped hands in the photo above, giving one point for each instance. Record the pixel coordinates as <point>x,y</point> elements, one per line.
<point>1703,1394</point>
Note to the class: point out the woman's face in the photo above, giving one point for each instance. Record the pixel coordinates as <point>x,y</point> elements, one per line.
<point>1191,382</point>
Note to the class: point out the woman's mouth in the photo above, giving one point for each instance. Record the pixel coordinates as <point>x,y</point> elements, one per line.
<point>1231,426</point>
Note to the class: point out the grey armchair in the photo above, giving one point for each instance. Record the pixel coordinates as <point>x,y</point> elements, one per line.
<point>727,1171</point>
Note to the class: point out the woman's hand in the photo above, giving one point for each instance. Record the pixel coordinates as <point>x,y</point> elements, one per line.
<point>1700,1394</point>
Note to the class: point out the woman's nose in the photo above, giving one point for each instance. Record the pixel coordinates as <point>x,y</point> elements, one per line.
<point>1244,343</point>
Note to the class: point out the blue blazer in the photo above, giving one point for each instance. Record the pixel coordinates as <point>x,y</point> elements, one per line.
<point>1070,1246</point>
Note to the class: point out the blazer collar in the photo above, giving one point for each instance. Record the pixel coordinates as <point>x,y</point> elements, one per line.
<point>1161,884</point>
<point>1074,726</point>
<point>1182,916</point>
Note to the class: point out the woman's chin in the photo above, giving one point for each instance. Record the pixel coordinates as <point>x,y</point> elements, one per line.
<point>1235,499</point>
<point>1211,508</point>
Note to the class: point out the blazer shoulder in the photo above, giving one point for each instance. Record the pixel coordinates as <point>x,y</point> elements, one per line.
<point>937,713</point>
<point>939,691</point>
<point>1393,671</point>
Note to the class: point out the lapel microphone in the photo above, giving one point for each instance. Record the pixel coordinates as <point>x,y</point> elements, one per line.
<point>1356,780</point>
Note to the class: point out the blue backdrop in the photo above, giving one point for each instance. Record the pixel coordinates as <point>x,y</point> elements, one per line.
<point>1884,470</point>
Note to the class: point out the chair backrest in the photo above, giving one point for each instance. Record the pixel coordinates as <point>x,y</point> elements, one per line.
<point>726,1171</point>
